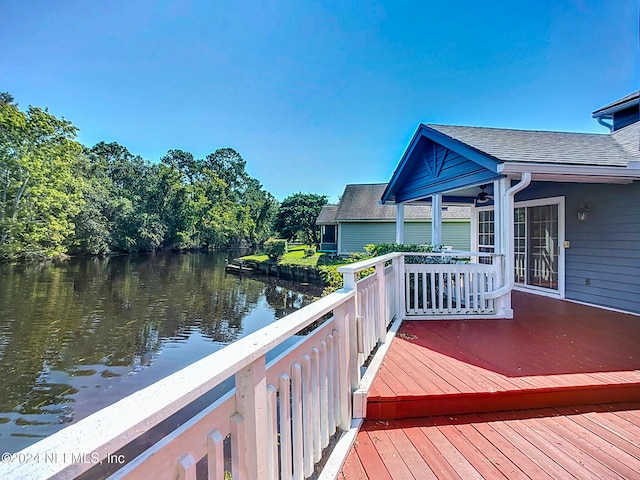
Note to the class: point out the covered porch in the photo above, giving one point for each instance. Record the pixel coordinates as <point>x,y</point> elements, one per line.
<point>559,208</point>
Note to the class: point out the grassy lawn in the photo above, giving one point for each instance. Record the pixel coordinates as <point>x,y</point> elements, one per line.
<point>295,256</point>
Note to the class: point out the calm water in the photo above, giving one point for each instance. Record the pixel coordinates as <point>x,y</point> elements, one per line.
<point>78,335</point>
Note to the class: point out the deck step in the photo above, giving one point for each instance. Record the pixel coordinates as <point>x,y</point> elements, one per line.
<point>410,406</point>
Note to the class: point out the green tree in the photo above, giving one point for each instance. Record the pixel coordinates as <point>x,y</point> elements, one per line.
<point>296,217</point>
<point>40,192</point>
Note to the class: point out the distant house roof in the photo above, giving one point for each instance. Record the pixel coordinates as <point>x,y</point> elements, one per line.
<point>535,146</point>
<point>327,214</point>
<point>361,202</point>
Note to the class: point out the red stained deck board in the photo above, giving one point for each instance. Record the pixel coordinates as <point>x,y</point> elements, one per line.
<point>403,382</point>
<point>413,459</point>
<point>352,468</point>
<point>529,459</point>
<point>610,435</point>
<point>615,423</point>
<point>371,460</point>
<point>436,460</point>
<point>593,445</point>
<point>487,461</point>
<point>392,458</point>
<point>553,447</point>
<point>454,458</point>
<point>517,444</point>
<point>431,362</point>
<point>511,461</point>
<point>430,380</point>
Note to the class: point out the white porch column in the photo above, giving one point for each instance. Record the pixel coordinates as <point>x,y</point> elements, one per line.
<point>400,223</point>
<point>503,237</point>
<point>499,237</point>
<point>436,219</point>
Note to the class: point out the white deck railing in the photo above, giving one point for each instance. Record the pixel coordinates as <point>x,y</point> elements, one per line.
<point>280,416</point>
<point>447,285</point>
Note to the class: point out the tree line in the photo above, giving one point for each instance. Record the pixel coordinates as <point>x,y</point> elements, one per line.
<point>58,196</point>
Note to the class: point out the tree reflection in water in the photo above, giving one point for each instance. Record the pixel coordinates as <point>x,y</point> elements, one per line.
<point>78,335</point>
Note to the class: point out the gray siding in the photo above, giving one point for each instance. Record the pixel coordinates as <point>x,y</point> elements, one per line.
<point>355,235</point>
<point>605,249</point>
<point>457,235</point>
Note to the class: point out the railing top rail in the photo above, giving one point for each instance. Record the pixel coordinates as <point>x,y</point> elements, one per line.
<point>371,262</point>
<point>114,426</point>
<point>453,253</point>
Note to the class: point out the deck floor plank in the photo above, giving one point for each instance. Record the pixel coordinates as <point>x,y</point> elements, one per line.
<point>392,459</point>
<point>353,468</point>
<point>505,447</point>
<point>370,457</point>
<point>560,448</point>
<point>434,458</point>
<point>486,460</point>
<point>413,459</point>
<point>595,446</point>
<point>609,434</point>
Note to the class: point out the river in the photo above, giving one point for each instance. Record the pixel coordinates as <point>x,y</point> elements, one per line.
<point>80,334</point>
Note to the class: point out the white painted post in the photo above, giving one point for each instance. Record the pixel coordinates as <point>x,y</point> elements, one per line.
<point>215,455</point>
<point>251,404</point>
<point>285,407</point>
<point>344,317</point>
<point>382,303</point>
<point>398,268</point>
<point>186,468</point>
<point>499,237</point>
<point>400,223</point>
<point>349,280</point>
<point>436,219</point>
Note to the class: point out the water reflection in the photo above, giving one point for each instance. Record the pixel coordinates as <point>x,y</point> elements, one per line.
<point>78,335</point>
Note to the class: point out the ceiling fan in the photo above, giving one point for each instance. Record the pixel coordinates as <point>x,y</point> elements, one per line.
<point>483,197</point>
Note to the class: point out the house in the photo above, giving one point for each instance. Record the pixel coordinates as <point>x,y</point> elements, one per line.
<point>359,219</point>
<point>563,208</point>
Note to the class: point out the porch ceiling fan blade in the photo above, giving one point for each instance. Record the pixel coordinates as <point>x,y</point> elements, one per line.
<point>483,196</point>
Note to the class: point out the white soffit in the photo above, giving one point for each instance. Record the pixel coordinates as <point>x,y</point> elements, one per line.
<point>572,173</point>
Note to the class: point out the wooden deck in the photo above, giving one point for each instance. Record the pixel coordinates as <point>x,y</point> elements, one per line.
<point>552,393</point>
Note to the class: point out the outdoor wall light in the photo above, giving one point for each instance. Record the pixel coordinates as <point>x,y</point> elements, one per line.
<point>582,212</point>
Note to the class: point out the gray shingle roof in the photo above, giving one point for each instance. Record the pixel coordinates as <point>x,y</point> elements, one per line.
<point>613,106</point>
<point>629,139</point>
<point>362,202</point>
<point>327,214</point>
<point>537,146</point>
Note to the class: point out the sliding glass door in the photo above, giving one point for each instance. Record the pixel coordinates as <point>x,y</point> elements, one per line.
<point>537,248</point>
<point>538,237</point>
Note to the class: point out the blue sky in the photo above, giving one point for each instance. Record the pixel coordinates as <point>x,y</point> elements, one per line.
<point>314,94</point>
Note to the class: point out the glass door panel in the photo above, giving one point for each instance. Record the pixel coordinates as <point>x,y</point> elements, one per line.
<point>542,246</point>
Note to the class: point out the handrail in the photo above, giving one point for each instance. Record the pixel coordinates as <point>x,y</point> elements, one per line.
<point>371,262</point>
